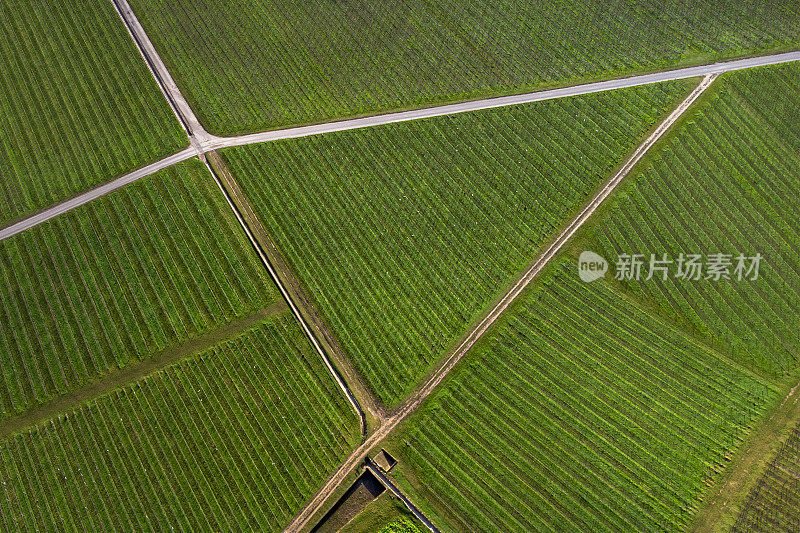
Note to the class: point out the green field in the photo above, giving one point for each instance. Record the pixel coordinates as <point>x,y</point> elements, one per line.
<point>774,503</point>
<point>581,412</point>
<point>236,438</point>
<point>79,106</point>
<point>611,405</point>
<point>153,378</point>
<point>404,525</point>
<point>727,181</point>
<point>251,65</point>
<point>120,279</point>
<point>404,234</point>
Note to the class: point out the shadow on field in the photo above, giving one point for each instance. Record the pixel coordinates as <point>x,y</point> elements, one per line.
<point>364,491</point>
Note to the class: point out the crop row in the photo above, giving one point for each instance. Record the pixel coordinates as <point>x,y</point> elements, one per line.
<point>726,182</point>
<point>118,280</point>
<point>775,94</point>
<point>774,503</point>
<point>79,105</point>
<point>582,412</point>
<point>251,65</point>
<point>235,438</point>
<point>403,234</point>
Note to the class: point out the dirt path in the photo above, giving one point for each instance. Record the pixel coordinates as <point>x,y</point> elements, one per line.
<point>410,405</point>
<point>119,378</point>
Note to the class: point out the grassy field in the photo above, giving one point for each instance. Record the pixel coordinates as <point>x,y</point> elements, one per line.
<point>583,412</point>
<point>403,234</point>
<point>774,504</point>
<point>120,279</point>
<point>404,525</point>
<point>235,438</point>
<point>727,181</point>
<point>78,107</point>
<point>249,65</point>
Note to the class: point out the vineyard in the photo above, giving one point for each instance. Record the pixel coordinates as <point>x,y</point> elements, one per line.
<point>774,504</point>
<point>378,324</point>
<point>235,438</point>
<point>775,94</point>
<point>580,412</point>
<point>726,182</point>
<point>78,107</point>
<point>403,234</point>
<point>117,280</point>
<point>252,65</point>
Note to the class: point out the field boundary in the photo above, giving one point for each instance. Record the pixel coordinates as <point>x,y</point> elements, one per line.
<point>545,257</point>
<point>722,504</point>
<point>94,193</point>
<point>503,101</point>
<point>287,297</point>
<point>119,378</point>
<point>294,288</point>
<point>394,489</point>
<point>476,332</point>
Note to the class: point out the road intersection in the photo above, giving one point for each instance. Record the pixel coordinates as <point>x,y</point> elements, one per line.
<point>202,141</point>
